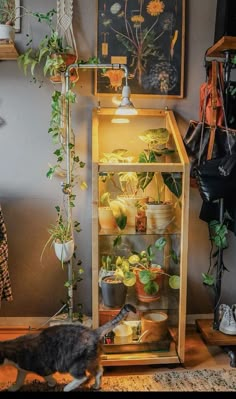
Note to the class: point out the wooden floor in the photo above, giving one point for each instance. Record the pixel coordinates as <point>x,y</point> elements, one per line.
<point>198,356</point>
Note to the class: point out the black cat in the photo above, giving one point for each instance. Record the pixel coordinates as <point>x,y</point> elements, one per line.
<point>64,348</point>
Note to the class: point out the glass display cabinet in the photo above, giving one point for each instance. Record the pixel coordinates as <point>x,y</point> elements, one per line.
<point>140,179</point>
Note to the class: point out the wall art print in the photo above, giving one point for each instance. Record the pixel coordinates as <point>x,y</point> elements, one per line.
<point>147,36</point>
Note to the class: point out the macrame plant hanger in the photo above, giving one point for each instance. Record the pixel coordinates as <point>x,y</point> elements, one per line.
<point>64,23</point>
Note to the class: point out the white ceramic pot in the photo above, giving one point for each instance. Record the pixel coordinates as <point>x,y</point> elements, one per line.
<point>123,334</point>
<point>64,251</point>
<point>7,32</point>
<point>159,216</point>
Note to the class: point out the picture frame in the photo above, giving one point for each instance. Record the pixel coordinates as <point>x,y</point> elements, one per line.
<point>149,37</point>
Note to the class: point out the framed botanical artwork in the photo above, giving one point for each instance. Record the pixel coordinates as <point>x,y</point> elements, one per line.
<point>146,35</point>
<point>10,11</point>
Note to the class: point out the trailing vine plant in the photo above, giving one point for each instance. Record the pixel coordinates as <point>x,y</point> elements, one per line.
<point>218,236</point>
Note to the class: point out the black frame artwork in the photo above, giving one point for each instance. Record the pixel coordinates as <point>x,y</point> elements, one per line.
<point>146,35</point>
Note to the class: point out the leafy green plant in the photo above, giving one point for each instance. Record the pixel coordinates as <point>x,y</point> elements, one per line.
<point>118,209</point>
<point>156,140</point>
<point>44,55</point>
<point>142,262</point>
<point>62,231</point>
<point>8,12</point>
<point>218,236</point>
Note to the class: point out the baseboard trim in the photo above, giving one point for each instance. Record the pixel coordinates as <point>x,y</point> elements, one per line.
<point>36,322</point>
<point>26,322</point>
<point>191,318</point>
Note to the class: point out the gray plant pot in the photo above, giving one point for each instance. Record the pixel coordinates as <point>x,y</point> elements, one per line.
<point>113,293</point>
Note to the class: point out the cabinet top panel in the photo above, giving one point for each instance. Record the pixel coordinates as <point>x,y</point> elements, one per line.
<point>154,129</point>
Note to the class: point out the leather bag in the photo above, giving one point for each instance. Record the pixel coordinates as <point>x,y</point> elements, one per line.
<point>216,178</point>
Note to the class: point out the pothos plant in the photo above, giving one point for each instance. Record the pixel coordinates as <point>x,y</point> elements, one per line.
<point>156,140</point>
<point>57,132</point>
<point>218,232</point>
<point>142,262</point>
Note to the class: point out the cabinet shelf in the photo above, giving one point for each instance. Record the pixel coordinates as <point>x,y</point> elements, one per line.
<point>131,231</point>
<point>107,177</point>
<point>226,43</point>
<point>8,51</point>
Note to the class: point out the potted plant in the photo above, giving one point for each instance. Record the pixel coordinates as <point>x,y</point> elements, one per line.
<point>8,17</point>
<point>112,287</point>
<point>112,213</point>
<point>52,55</point>
<point>125,183</point>
<point>61,237</point>
<point>138,269</point>
<point>159,211</point>
<point>113,291</point>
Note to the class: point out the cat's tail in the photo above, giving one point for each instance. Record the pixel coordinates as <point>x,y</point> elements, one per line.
<point>101,331</point>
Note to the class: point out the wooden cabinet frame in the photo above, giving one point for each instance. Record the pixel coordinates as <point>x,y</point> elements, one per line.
<point>177,348</point>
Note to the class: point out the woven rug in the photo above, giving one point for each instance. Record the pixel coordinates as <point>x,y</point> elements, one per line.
<point>220,380</point>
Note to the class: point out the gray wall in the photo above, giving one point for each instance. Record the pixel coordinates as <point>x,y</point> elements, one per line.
<point>28,197</point>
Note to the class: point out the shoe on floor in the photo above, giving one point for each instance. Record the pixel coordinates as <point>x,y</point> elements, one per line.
<point>233,307</point>
<point>227,323</point>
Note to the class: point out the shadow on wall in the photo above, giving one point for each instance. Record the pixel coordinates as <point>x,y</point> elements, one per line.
<point>38,288</point>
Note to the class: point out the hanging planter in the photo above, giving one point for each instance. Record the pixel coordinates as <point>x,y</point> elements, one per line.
<point>61,62</point>
<point>64,251</point>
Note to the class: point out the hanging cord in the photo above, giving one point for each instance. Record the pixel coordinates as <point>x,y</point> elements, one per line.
<point>64,23</point>
<point>224,113</point>
<point>203,124</point>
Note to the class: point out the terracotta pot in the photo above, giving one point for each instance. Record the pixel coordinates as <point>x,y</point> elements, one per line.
<point>153,326</point>
<point>139,287</point>
<point>69,59</point>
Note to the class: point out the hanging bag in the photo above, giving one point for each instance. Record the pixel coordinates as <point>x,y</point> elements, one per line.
<point>216,177</point>
<point>201,134</point>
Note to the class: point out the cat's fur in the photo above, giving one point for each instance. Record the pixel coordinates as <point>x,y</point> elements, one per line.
<point>64,348</point>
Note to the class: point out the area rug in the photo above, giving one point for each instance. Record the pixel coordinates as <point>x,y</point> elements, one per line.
<point>205,380</point>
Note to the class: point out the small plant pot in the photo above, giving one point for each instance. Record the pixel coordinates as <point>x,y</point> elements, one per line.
<point>106,218</point>
<point>68,59</point>
<point>153,326</point>
<point>7,32</point>
<point>113,292</point>
<point>159,216</point>
<point>104,273</point>
<point>131,207</point>
<point>142,295</point>
<point>64,251</point>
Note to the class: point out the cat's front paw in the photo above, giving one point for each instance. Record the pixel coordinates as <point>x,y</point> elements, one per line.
<point>13,388</point>
<point>50,381</point>
<point>96,386</point>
